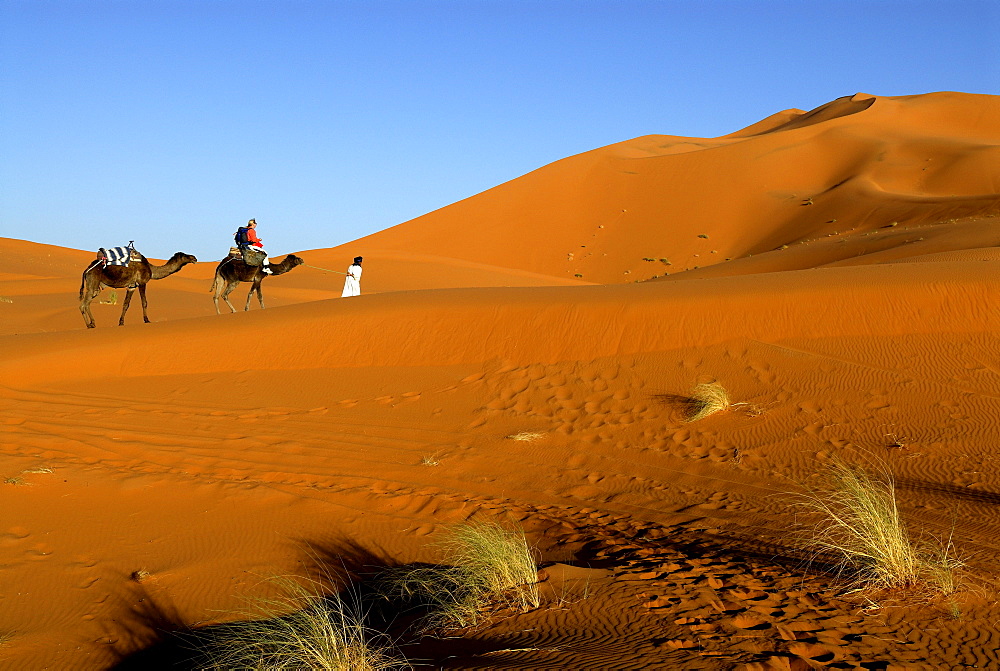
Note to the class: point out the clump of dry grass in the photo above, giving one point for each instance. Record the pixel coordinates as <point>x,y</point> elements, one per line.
<point>942,568</point>
<point>4,299</point>
<point>706,399</point>
<point>112,298</point>
<point>860,522</point>
<point>301,628</point>
<point>526,436</point>
<point>490,566</point>
<point>140,575</point>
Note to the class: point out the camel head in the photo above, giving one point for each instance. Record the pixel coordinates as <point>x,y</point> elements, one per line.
<point>294,260</point>
<point>183,259</point>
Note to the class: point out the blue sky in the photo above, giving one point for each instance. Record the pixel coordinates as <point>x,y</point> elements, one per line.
<point>172,122</point>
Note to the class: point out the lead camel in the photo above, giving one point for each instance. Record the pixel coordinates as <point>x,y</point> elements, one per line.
<point>233,270</point>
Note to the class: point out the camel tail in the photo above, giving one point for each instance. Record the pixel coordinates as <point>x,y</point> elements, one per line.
<point>217,283</point>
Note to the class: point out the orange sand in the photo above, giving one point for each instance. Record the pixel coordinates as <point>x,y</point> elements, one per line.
<point>835,270</point>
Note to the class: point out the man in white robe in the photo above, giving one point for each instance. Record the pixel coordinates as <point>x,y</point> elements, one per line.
<point>352,283</point>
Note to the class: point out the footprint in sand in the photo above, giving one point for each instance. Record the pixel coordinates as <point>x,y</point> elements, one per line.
<point>39,551</point>
<point>423,530</point>
<point>82,561</point>
<point>88,583</point>
<point>15,534</point>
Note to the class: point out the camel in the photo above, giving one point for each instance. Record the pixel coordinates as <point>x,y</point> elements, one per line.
<point>135,275</point>
<point>233,270</point>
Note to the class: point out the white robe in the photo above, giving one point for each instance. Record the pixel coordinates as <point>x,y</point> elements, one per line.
<point>352,285</point>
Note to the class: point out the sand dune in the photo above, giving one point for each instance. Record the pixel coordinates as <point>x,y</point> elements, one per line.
<point>833,269</point>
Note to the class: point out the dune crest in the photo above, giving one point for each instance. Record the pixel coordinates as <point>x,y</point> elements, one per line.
<point>660,205</point>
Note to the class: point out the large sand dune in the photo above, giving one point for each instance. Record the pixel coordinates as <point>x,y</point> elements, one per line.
<point>833,269</point>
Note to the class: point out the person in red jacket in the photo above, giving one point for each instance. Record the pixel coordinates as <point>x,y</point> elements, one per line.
<point>257,244</point>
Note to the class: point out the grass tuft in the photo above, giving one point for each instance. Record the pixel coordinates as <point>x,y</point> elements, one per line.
<point>491,567</point>
<point>526,436</point>
<point>860,522</point>
<point>140,575</point>
<point>38,469</point>
<point>706,399</point>
<point>301,628</point>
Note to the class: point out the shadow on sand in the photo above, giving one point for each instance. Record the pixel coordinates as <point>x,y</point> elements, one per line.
<point>162,642</point>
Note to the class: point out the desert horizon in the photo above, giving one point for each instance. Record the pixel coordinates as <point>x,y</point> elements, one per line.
<point>533,356</point>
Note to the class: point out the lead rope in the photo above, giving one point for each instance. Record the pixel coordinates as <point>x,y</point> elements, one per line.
<point>324,269</point>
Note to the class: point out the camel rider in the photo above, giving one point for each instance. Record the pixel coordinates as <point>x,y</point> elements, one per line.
<point>256,244</point>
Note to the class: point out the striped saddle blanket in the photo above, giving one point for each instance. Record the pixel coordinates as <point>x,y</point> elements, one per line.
<point>119,256</point>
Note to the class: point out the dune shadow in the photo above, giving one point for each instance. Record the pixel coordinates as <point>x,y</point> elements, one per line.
<point>751,546</point>
<point>949,491</point>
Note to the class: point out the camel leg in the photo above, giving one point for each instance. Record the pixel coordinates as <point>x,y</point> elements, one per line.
<point>225,295</point>
<point>142,297</point>
<point>258,285</point>
<point>255,287</point>
<point>88,317</point>
<point>128,299</point>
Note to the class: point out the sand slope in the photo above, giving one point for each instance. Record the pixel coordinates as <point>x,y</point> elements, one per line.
<point>611,214</point>
<point>154,474</point>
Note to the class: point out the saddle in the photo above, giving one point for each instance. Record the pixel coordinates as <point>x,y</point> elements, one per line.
<point>118,256</point>
<point>250,256</point>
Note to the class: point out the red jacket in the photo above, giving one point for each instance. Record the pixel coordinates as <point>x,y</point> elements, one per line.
<point>252,238</point>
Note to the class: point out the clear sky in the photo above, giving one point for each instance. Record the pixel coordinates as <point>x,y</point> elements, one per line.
<point>172,122</point>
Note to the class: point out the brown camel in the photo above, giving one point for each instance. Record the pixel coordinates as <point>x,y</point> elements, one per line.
<point>135,275</point>
<point>233,270</point>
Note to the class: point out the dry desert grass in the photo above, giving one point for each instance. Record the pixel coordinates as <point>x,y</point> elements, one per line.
<point>489,566</point>
<point>860,521</point>
<point>706,399</point>
<point>303,627</point>
<point>526,436</point>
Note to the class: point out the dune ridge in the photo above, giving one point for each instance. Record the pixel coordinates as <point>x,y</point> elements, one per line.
<point>913,160</point>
